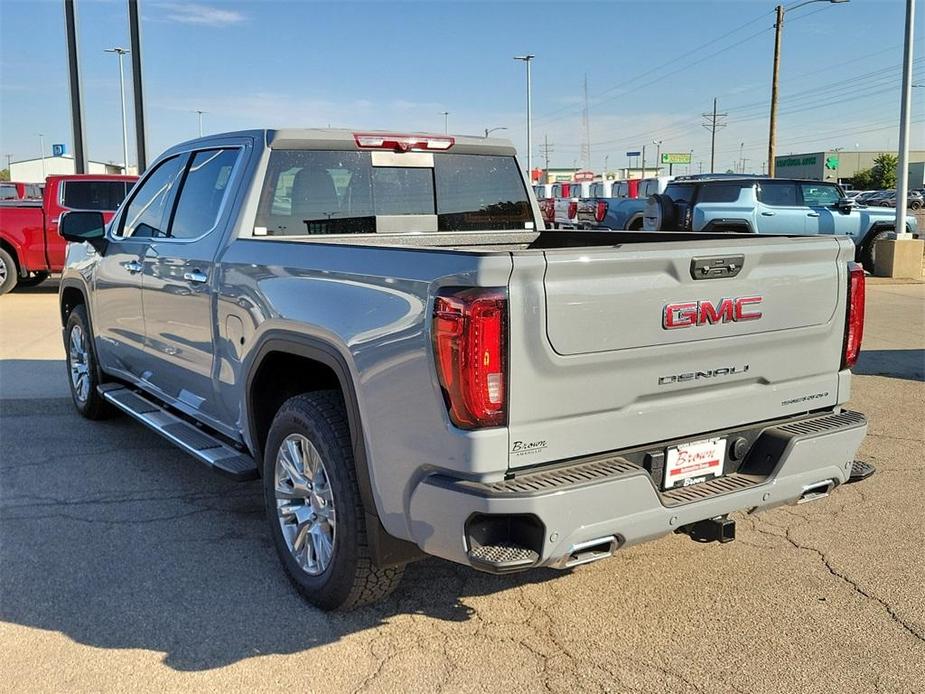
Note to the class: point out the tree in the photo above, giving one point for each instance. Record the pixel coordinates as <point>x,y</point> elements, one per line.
<point>884,170</point>
<point>882,175</point>
<point>4,175</point>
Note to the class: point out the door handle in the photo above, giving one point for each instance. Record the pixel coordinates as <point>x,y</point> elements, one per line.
<point>767,214</point>
<point>197,276</point>
<point>133,266</point>
<point>812,214</point>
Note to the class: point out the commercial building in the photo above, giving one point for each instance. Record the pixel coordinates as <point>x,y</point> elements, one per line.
<point>31,170</point>
<point>832,165</point>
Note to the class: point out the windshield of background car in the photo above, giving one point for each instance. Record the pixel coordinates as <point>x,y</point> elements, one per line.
<point>680,192</point>
<point>330,192</point>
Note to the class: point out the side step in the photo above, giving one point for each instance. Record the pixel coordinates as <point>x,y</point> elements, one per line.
<point>207,449</point>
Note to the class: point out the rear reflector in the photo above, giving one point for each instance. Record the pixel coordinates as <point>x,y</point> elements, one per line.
<point>469,333</point>
<point>854,324</point>
<point>403,143</point>
<point>600,210</point>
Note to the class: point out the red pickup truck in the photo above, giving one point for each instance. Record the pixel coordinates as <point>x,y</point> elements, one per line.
<point>30,246</point>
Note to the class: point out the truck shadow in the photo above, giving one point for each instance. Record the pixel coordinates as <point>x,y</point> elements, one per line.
<point>906,364</point>
<point>115,539</point>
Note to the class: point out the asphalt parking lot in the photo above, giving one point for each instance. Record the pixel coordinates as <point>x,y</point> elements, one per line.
<point>126,566</point>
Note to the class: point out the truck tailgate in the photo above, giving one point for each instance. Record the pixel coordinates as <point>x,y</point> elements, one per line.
<point>620,346</point>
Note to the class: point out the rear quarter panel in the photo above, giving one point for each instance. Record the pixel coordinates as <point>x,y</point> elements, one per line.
<point>23,228</point>
<point>373,305</point>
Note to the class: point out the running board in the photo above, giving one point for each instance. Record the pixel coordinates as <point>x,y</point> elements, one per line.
<point>207,449</point>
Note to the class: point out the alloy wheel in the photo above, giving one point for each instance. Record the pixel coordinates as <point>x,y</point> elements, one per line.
<point>79,363</point>
<point>305,504</point>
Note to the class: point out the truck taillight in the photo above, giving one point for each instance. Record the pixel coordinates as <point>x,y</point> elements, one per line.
<point>600,210</point>
<point>854,324</point>
<point>572,209</point>
<point>469,332</point>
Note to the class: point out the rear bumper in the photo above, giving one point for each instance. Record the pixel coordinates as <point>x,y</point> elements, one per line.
<point>586,502</point>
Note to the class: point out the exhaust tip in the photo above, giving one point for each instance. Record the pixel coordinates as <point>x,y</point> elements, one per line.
<point>813,492</point>
<point>592,550</point>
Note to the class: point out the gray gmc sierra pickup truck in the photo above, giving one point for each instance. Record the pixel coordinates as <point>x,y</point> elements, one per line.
<point>379,327</point>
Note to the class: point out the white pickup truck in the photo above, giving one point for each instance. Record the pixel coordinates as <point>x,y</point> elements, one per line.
<point>379,327</point>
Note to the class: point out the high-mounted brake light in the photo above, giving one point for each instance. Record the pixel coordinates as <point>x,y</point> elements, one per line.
<point>854,323</point>
<point>469,332</point>
<point>600,210</point>
<point>404,143</point>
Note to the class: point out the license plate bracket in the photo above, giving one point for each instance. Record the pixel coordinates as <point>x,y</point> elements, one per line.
<point>694,462</point>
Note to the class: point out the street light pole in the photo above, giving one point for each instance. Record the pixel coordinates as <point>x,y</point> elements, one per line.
<point>902,178</point>
<point>658,156</point>
<point>42,145</point>
<point>772,123</point>
<point>121,52</point>
<point>489,131</point>
<point>199,113</point>
<point>446,121</point>
<point>527,59</point>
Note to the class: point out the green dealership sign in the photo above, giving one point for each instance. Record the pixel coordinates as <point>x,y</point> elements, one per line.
<point>795,161</point>
<point>676,157</point>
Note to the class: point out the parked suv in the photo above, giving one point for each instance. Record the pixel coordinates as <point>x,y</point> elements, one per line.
<point>769,206</point>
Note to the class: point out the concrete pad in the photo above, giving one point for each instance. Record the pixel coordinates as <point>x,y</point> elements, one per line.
<point>899,258</point>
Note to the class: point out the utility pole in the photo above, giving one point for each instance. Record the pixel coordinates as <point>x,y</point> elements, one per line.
<point>741,164</point>
<point>658,156</point>
<point>42,145</point>
<point>446,121</point>
<point>643,174</point>
<point>527,59</point>
<point>134,26</point>
<point>714,122</point>
<point>73,70</point>
<point>9,159</point>
<point>547,149</point>
<point>199,113</point>
<point>902,178</point>
<point>121,53</point>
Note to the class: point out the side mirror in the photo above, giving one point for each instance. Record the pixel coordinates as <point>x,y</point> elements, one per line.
<point>846,205</point>
<point>78,227</point>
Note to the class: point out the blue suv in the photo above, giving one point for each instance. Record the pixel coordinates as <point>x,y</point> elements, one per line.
<point>769,206</point>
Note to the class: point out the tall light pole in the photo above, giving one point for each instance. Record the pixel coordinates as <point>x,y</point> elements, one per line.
<point>902,178</point>
<point>658,156</point>
<point>489,131</point>
<point>528,58</point>
<point>446,121</point>
<point>121,52</point>
<point>199,113</point>
<point>741,162</point>
<point>42,145</point>
<point>772,125</point>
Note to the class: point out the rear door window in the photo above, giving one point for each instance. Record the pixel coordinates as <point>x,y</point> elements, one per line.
<point>720,192</point>
<point>778,193</point>
<point>94,195</point>
<point>204,189</point>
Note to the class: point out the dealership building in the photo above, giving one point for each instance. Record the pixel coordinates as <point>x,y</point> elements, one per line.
<point>840,165</point>
<point>35,170</point>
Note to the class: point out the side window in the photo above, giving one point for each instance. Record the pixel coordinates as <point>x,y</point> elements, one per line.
<point>202,193</point>
<point>146,215</point>
<point>681,192</point>
<point>720,192</point>
<point>819,194</point>
<point>778,194</point>
<point>93,195</point>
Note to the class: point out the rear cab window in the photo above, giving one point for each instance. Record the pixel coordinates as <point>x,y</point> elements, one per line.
<point>93,195</point>
<point>342,192</point>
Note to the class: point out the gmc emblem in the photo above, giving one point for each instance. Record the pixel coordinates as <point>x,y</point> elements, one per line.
<point>693,313</point>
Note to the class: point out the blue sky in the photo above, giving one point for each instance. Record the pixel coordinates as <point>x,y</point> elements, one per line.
<point>652,67</point>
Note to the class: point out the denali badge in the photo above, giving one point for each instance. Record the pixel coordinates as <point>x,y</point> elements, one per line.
<point>697,375</point>
<point>690,313</point>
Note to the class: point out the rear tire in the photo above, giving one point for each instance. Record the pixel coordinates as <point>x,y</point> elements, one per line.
<point>314,509</point>
<point>82,367</point>
<point>868,253</point>
<point>9,273</point>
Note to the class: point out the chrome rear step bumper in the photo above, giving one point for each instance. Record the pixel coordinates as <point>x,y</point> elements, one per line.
<point>577,504</point>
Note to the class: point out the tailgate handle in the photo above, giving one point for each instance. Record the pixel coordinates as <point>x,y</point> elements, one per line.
<point>716,267</point>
